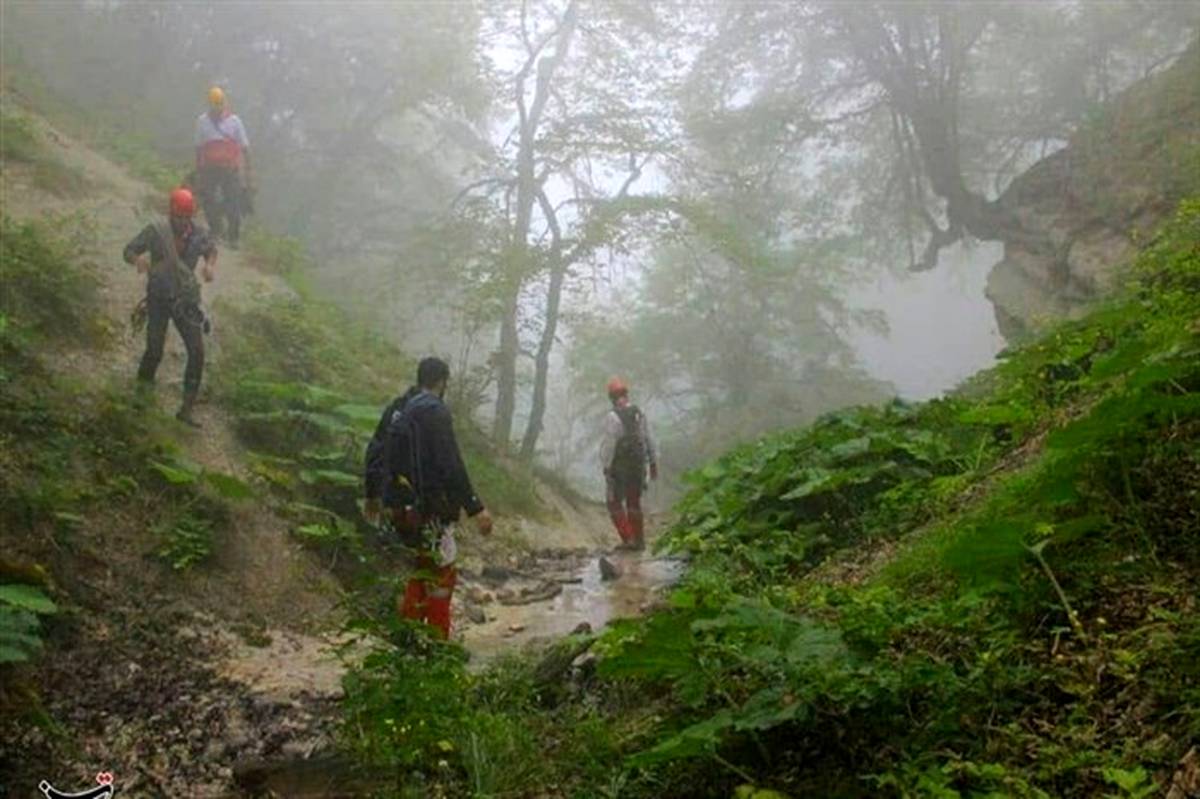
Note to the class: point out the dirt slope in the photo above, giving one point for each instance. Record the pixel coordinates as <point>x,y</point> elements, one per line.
<point>158,687</point>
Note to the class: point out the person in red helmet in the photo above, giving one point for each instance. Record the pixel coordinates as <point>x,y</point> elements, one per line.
<point>167,252</point>
<point>626,450</point>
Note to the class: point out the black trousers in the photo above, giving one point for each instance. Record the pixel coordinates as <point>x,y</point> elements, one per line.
<point>189,321</point>
<point>220,191</point>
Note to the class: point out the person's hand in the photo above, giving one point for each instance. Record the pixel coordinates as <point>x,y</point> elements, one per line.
<point>483,522</point>
<point>372,508</point>
<point>207,273</point>
<point>654,471</point>
<point>142,263</point>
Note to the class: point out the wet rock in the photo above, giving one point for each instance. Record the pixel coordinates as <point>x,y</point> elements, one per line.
<point>608,569</point>
<point>551,673</point>
<point>583,628</point>
<point>583,667</point>
<point>495,574</point>
<point>476,614</point>
<point>541,593</point>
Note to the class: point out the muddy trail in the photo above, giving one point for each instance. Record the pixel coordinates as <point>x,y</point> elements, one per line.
<point>200,684</point>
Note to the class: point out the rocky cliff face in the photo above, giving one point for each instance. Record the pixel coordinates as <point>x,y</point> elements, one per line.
<point>1087,205</point>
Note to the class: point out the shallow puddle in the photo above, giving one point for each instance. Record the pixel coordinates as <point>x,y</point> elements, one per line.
<point>585,598</point>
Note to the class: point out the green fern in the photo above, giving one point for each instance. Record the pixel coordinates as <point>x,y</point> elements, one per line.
<point>20,627</point>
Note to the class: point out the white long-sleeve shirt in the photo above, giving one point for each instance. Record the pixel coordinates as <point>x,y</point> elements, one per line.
<point>612,432</point>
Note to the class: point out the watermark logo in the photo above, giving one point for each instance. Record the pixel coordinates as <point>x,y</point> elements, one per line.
<point>103,790</point>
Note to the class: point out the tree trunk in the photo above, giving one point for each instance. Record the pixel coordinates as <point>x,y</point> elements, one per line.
<point>506,373</point>
<point>925,95</point>
<point>517,263</point>
<point>537,412</point>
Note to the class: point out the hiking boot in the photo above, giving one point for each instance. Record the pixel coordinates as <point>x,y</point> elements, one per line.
<point>185,412</point>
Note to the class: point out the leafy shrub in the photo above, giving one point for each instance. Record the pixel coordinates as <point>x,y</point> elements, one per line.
<point>18,139</point>
<point>186,541</point>
<point>20,629</point>
<point>405,703</point>
<point>781,505</point>
<point>47,287</point>
<point>308,385</point>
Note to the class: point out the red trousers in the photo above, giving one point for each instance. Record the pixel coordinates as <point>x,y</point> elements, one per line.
<point>625,508</point>
<point>428,593</point>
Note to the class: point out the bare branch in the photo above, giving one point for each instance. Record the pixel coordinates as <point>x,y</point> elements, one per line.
<point>498,182</point>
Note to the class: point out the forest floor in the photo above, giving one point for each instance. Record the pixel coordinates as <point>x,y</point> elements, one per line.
<point>173,681</point>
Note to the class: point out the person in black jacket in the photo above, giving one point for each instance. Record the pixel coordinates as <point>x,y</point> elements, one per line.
<point>415,478</point>
<point>168,254</point>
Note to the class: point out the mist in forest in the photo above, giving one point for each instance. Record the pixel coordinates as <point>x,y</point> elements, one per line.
<point>755,213</point>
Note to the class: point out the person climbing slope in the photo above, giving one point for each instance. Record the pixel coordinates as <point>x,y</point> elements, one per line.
<point>416,478</point>
<point>626,449</point>
<point>223,176</point>
<point>167,252</point>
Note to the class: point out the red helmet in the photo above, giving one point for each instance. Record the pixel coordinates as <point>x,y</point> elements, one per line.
<point>182,203</point>
<point>617,388</point>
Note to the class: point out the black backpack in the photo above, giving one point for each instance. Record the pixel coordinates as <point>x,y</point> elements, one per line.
<point>630,454</point>
<point>402,457</point>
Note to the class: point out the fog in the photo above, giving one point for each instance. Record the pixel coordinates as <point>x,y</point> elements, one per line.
<point>754,212</point>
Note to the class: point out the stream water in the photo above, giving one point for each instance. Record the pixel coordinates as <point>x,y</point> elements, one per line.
<point>586,597</point>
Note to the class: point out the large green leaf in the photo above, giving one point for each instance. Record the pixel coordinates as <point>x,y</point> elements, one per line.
<point>365,415</point>
<point>178,473</point>
<point>228,486</point>
<point>698,739</point>
<point>330,476</point>
<point>27,597</point>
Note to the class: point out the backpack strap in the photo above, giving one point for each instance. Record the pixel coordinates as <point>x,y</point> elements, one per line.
<point>220,126</point>
<point>166,237</point>
<point>180,278</point>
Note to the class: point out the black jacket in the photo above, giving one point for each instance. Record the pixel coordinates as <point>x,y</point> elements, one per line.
<point>196,244</point>
<point>445,487</point>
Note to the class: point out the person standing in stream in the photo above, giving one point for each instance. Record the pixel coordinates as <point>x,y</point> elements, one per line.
<point>626,450</point>
<point>167,252</point>
<point>416,480</point>
<point>223,176</point>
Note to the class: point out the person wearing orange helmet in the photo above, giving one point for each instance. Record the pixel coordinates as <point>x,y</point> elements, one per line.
<point>167,252</point>
<point>222,166</point>
<point>626,450</point>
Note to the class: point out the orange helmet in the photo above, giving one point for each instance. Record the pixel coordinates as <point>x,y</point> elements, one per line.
<point>617,388</point>
<point>182,203</point>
